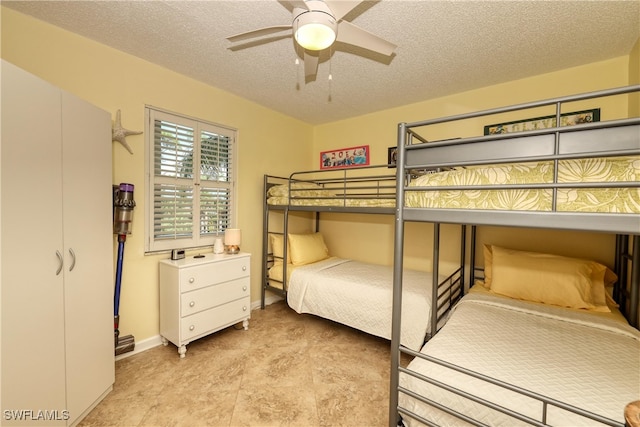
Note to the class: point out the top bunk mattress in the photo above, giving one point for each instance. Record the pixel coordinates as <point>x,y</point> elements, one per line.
<point>579,174</point>
<point>613,199</point>
<point>310,194</point>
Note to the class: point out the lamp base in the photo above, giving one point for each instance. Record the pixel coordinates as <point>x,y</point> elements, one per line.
<point>232,249</point>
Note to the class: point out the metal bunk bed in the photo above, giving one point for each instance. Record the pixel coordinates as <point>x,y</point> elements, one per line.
<point>360,190</point>
<point>316,191</point>
<point>555,145</point>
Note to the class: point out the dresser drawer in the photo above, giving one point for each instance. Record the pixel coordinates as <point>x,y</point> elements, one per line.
<point>197,277</point>
<point>224,315</point>
<point>213,296</point>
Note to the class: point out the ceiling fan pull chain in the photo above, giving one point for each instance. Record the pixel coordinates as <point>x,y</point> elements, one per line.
<point>330,73</point>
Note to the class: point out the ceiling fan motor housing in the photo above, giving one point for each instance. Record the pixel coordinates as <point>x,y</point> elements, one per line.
<point>316,28</point>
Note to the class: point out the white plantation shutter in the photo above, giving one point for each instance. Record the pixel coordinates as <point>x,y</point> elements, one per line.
<point>191,181</point>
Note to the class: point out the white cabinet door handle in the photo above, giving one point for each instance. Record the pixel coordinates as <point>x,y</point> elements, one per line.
<point>192,303</point>
<point>244,308</point>
<point>73,259</point>
<point>60,262</point>
<point>191,328</point>
<point>244,288</point>
<point>191,280</point>
<point>244,268</point>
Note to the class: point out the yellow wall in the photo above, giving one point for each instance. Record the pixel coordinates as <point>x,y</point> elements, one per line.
<point>270,142</point>
<point>634,78</point>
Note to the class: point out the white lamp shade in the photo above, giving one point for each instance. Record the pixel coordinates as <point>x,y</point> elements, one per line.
<point>232,237</point>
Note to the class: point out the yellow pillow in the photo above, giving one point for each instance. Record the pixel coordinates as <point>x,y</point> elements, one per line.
<point>550,279</point>
<point>307,248</point>
<point>277,247</point>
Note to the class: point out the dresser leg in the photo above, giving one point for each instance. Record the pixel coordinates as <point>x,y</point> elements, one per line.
<point>165,342</point>
<point>182,350</point>
<point>245,324</point>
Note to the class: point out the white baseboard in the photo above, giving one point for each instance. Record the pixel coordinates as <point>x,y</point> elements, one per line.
<point>269,299</point>
<point>141,346</point>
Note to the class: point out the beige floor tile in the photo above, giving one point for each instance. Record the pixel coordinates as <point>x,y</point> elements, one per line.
<point>286,370</point>
<point>356,404</point>
<point>277,406</point>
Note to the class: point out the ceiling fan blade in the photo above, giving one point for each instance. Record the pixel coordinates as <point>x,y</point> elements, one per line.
<point>310,63</point>
<point>300,4</point>
<point>341,7</point>
<point>354,35</point>
<point>259,32</point>
<point>257,42</point>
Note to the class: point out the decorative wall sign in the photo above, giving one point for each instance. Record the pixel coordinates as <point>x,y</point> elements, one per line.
<point>566,119</point>
<point>345,157</point>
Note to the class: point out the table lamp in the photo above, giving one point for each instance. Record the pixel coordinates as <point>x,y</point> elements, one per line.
<point>232,240</point>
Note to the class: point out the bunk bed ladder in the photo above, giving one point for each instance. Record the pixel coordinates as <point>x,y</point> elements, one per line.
<point>635,283</point>
<point>267,257</point>
<point>265,243</point>
<point>627,290</point>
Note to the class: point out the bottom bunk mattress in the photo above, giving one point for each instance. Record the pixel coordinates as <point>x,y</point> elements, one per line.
<point>584,360</point>
<point>360,295</point>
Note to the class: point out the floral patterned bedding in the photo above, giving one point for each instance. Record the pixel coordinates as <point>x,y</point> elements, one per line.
<point>612,200</point>
<point>309,194</point>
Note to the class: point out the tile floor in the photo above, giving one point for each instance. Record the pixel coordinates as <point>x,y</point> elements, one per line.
<point>286,370</point>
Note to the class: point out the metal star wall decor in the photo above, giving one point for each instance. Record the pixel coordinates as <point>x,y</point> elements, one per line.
<point>118,133</point>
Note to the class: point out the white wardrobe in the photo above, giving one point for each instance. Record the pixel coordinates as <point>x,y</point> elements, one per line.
<point>57,354</point>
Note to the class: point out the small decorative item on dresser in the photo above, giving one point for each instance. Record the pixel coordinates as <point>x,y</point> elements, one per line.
<point>218,246</point>
<point>232,240</point>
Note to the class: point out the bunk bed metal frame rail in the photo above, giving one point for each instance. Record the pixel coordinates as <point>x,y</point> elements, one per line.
<point>582,141</point>
<point>354,183</point>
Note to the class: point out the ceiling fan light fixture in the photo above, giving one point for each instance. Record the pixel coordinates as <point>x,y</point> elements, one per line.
<point>315,30</point>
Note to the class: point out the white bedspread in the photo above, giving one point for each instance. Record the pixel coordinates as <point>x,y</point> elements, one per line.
<point>574,357</point>
<point>359,295</point>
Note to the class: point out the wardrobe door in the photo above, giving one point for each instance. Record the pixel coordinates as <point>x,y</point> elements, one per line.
<point>88,242</point>
<point>33,364</point>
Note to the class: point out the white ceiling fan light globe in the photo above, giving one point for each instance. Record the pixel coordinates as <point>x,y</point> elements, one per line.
<point>315,30</point>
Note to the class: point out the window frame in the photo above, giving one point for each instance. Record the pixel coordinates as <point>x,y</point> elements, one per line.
<point>153,245</point>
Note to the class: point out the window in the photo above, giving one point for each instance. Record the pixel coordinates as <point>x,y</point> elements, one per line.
<point>190,185</point>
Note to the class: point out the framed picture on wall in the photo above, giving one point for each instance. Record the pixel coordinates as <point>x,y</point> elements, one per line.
<point>566,119</point>
<point>392,156</point>
<point>345,157</point>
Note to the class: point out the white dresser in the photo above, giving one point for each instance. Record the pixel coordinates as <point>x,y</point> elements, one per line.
<point>201,295</point>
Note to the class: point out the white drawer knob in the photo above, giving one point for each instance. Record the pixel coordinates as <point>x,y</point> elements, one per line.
<point>244,268</point>
<point>244,288</point>
<point>191,328</point>
<point>244,308</point>
<point>192,303</point>
<point>191,280</point>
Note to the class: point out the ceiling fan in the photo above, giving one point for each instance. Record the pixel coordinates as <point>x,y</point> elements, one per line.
<point>316,25</point>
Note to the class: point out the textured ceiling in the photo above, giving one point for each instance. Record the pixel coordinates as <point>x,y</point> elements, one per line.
<point>444,47</point>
